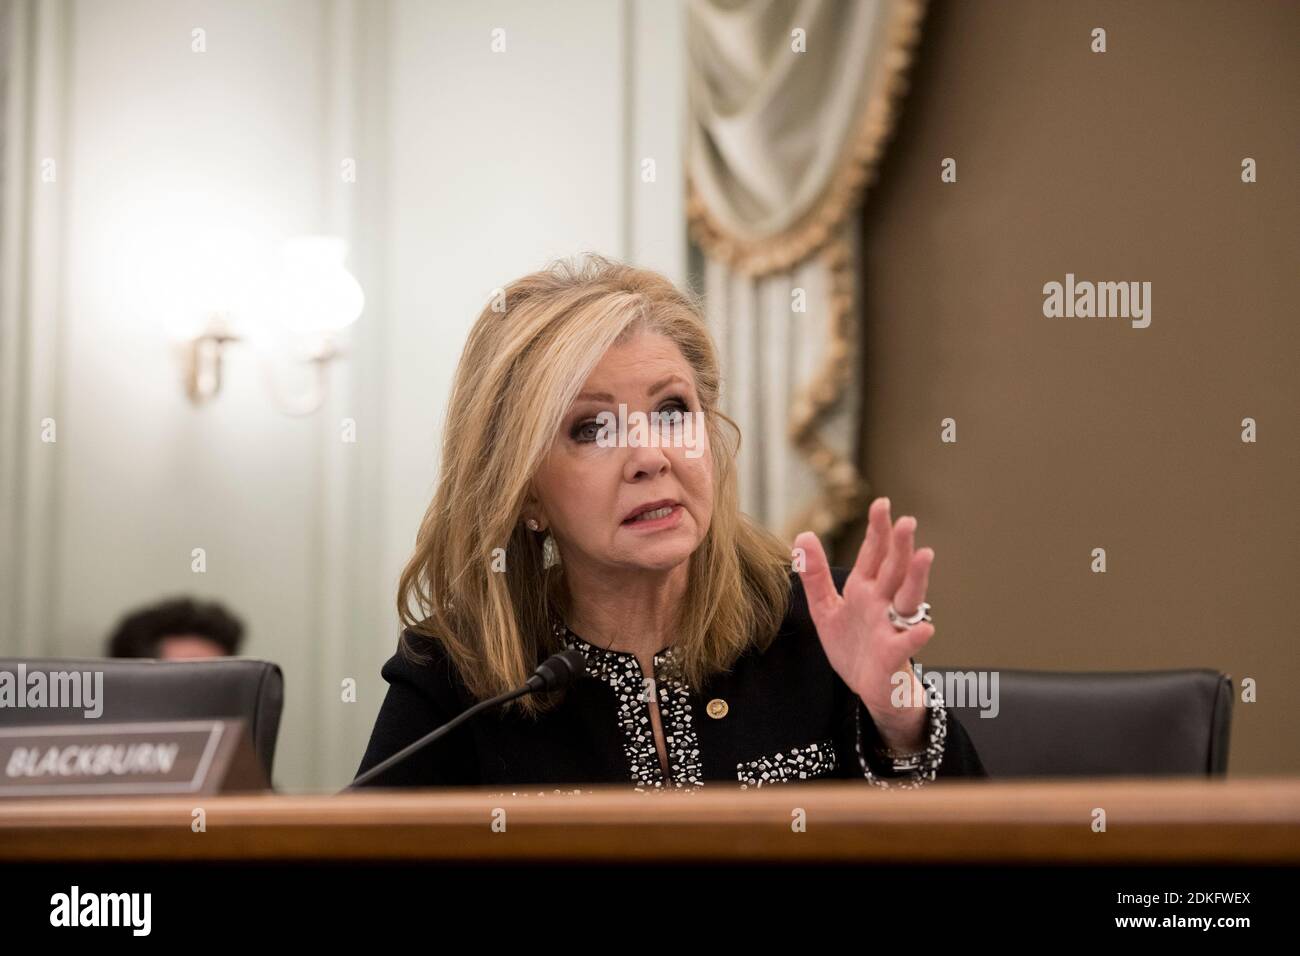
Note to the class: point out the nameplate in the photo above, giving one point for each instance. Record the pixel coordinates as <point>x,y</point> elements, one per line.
<point>162,757</point>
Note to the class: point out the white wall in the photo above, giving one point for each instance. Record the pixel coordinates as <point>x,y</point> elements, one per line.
<point>473,167</point>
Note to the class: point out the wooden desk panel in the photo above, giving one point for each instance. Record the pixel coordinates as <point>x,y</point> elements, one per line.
<point>1148,821</point>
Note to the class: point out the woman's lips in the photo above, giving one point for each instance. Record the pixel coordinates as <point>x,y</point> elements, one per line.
<point>666,517</point>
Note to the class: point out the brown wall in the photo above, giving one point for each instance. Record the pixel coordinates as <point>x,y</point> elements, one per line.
<point>1079,433</point>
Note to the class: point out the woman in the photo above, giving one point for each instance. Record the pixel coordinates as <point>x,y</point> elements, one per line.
<point>715,656</point>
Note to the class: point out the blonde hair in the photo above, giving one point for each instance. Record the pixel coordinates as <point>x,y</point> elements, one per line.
<point>521,369</point>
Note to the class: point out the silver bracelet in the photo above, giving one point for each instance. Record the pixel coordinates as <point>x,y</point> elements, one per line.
<point>922,765</point>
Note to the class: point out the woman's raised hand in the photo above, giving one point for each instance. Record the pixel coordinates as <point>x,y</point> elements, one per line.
<point>861,643</point>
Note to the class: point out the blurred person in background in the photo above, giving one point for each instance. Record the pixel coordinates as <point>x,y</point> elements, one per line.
<point>177,629</point>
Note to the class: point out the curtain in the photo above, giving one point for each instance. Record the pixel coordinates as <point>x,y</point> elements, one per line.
<point>791,104</point>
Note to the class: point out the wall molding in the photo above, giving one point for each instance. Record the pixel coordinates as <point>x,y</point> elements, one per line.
<point>350,606</point>
<point>32,303</point>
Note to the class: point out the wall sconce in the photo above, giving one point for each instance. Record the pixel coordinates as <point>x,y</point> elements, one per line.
<point>312,300</point>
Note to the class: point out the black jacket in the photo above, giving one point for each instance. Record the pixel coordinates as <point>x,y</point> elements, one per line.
<point>788,716</point>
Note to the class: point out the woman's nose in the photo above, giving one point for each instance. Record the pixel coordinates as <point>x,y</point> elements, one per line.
<point>644,462</point>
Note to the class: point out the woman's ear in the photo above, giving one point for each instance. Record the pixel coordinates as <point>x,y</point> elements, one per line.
<point>531,508</point>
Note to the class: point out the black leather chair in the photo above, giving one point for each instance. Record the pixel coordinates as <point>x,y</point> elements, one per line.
<point>137,689</point>
<point>1087,724</point>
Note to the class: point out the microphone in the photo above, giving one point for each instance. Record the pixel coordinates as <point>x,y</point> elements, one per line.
<point>556,672</point>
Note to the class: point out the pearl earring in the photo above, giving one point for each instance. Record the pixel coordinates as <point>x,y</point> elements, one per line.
<point>532,524</point>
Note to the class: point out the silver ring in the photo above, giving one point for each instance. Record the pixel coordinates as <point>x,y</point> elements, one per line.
<point>903,623</point>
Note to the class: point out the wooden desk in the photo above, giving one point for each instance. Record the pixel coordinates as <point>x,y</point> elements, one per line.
<point>1242,821</point>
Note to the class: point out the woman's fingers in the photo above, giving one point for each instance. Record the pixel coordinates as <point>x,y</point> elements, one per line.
<point>876,543</point>
<point>899,558</point>
<point>917,636</point>
<point>816,576</point>
<point>915,584</point>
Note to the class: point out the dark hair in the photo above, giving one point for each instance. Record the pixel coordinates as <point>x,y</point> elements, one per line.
<point>140,633</point>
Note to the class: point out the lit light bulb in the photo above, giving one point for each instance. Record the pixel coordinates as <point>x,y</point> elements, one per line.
<point>314,293</point>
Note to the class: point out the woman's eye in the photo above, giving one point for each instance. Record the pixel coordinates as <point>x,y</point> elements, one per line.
<point>586,431</point>
<point>673,411</point>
